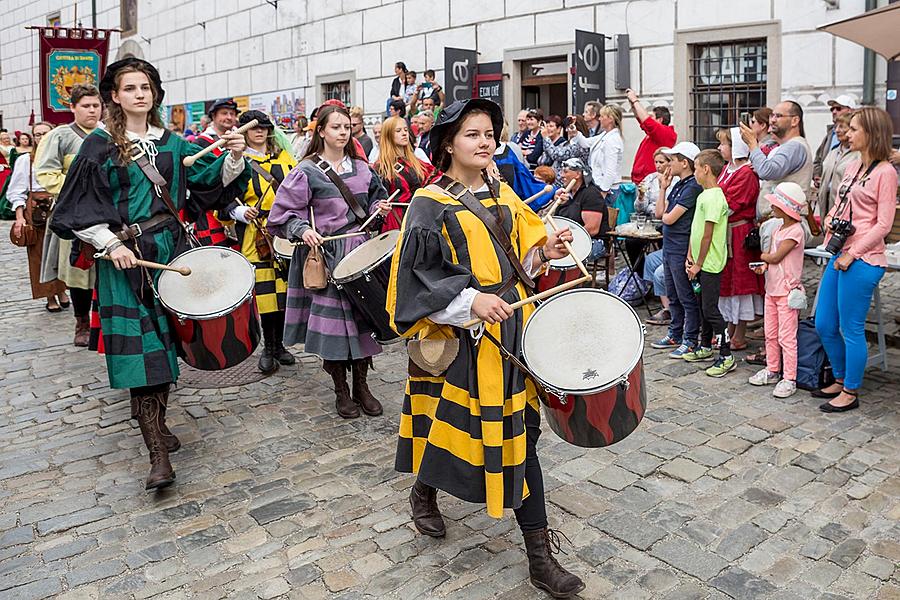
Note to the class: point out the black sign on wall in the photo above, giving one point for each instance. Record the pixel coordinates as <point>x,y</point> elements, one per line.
<point>589,79</point>
<point>460,68</point>
<point>489,82</point>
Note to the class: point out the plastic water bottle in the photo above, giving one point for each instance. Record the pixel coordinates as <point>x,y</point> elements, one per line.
<point>695,284</point>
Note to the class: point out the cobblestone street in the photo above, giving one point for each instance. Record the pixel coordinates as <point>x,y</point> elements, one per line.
<point>722,492</point>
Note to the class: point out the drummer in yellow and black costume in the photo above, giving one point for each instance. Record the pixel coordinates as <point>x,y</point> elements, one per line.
<point>471,430</point>
<point>271,163</point>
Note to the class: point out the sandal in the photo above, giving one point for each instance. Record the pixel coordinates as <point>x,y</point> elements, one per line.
<point>757,358</point>
<point>55,309</point>
<point>740,347</point>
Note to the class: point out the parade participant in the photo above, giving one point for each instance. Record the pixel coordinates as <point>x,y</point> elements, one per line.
<point>109,202</point>
<point>271,164</point>
<point>334,189</point>
<point>470,429</point>
<point>31,204</point>
<point>51,164</point>
<point>223,115</point>
<point>399,168</point>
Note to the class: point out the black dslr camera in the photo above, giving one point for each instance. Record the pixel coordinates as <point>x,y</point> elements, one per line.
<point>841,229</point>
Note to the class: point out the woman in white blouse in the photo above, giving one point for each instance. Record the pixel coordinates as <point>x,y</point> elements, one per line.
<point>607,149</point>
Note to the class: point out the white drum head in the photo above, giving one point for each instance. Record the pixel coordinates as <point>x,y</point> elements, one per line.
<point>583,341</point>
<point>220,280</point>
<point>581,243</point>
<point>283,248</point>
<point>366,256</point>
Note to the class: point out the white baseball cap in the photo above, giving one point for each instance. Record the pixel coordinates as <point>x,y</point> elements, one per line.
<point>844,100</point>
<point>686,149</point>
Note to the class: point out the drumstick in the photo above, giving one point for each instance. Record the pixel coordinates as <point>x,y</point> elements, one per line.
<point>155,265</point>
<point>547,188</point>
<point>189,160</point>
<point>555,204</point>
<point>568,247</point>
<point>342,236</point>
<point>531,299</point>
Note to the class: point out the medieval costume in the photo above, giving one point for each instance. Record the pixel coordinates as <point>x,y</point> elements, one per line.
<point>207,228</point>
<point>407,181</point>
<point>324,320</point>
<point>106,200</point>
<point>472,429</point>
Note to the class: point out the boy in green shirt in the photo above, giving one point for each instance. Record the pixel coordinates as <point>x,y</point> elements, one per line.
<point>707,254</point>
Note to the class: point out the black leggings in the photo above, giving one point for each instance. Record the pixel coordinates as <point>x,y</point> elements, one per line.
<point>711,321</point>
<point>273,326</point>
<point>532,515</point>
<point>81,301</point>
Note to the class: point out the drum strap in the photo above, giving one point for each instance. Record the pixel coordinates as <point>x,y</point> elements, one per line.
<point>143,161</point>
<point>341,185</point>
<point>270,179</point>
<point>458,191</point>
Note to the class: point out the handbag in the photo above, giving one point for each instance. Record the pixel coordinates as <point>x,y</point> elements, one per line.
<point>315,275</point>
<point>753,242</point>
<point>28,236</point>
<point>37,208</point>
<point>797,298</point>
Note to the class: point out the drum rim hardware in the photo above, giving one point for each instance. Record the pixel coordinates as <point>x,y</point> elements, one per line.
<point>368,270</point>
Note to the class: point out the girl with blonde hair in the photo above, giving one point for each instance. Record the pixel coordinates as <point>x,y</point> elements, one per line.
<point>400,167</point>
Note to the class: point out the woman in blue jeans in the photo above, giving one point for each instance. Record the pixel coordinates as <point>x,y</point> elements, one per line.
<point>867,200</point>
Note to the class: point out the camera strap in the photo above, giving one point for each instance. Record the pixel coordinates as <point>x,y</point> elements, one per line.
<point>845,196</point>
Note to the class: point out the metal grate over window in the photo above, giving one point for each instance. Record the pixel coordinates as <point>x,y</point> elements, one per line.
<point>338,90</point>
<point>727,79</point>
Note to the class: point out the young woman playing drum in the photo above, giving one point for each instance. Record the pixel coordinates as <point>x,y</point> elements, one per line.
<point>310,205</point>
<point>471,429</point>
<point>109,202</point>
<point>399,167</point>
<point>271,164</point>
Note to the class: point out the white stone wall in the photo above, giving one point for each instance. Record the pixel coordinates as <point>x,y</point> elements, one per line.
<point>209,49</point>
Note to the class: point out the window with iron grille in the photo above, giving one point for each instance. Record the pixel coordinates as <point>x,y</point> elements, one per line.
<point>337,90</point>
<point>727,80</point>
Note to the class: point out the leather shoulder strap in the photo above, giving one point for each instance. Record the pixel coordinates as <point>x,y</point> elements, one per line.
<point>458,191</point>
<point>270,179</point>
<point>341,185</point>
<point>78,131</point>
<point>141,160</point>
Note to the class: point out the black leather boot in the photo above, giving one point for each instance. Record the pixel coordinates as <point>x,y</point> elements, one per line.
<point>546,573</point>
<point>149,415</point>
<point>282,354</point>
<point>267,363</point>
<point>361,393</point>
<point>425,512</point>
<point>343,402</point>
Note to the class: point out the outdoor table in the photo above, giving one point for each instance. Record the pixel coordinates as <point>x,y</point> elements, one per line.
<point>647,237</point>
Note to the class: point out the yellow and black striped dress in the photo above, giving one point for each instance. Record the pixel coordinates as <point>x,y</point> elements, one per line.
<point>271,290</point>
<point>464,432</point>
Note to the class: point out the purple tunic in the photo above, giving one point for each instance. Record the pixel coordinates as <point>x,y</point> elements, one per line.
<point>324,320</point>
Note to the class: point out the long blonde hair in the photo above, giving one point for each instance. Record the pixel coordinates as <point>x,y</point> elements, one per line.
<point>389,153</point>
<point>116,119</point>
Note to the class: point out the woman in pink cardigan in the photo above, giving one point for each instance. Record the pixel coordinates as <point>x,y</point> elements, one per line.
<point>862,216</point>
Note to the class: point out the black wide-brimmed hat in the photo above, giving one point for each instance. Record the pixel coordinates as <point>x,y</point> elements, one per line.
<point>262,118</point>
<point>222,103</point>
<point>456,112</point>
<point>108,83</point>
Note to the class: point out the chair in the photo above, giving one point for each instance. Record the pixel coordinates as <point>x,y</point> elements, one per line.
<point>608,262</point>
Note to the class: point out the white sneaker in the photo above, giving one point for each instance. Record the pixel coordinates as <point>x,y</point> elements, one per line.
<point>764,377</point>
<point>785,389</point>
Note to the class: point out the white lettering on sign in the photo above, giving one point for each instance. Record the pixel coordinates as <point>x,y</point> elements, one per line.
<point>590,56</point>
<point>584,85</point>
<point>460,71</point>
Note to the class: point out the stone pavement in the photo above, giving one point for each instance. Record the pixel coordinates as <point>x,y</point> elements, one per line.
<point>723,492</point>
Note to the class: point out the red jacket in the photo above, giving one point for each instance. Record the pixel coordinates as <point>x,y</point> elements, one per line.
<point>658,136</point>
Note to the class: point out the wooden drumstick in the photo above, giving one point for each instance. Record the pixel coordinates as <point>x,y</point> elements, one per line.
<point>159,266</point>
<point>342,236</point>
<point>189,160</point>
<point>581,267</point>
<point>531,299</point>
<point>547,189</point>
<point>555,204</point>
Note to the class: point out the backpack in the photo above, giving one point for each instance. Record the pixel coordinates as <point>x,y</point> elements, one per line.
<point>813,368</point>
<point>624,201</point>
<point>630,290</point>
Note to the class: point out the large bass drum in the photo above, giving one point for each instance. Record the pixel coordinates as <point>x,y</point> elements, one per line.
<point>585,346</point>
<point>215,320</point>
<point>363,275</point>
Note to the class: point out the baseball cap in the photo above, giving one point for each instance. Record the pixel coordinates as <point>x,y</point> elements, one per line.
<point>844,100</point>
<point>686,149</point>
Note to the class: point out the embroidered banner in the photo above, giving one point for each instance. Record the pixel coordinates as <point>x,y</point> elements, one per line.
<point>69,55</point>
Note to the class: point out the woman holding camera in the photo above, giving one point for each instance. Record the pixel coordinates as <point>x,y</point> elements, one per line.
<point>855,230</point>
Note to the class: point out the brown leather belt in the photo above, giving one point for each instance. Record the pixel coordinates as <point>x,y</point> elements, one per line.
<point>136,230</point>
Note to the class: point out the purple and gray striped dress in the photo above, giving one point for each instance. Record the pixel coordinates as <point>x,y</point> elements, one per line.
<point>324,320</point>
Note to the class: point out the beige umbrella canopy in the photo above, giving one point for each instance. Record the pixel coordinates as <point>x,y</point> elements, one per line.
<point>878,30</point>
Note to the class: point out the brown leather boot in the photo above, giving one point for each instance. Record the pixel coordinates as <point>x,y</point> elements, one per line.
<point>82,331</point>
<point>149,415</point>
<point>546,573</point>
<point>361,394</point>
<point>425,512</point>
<point>173,444</point>
<point>343,402</point>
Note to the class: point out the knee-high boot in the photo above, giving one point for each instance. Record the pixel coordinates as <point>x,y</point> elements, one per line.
<point>150,417</point>
<point>361,393</point>
<point>343,401</point>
